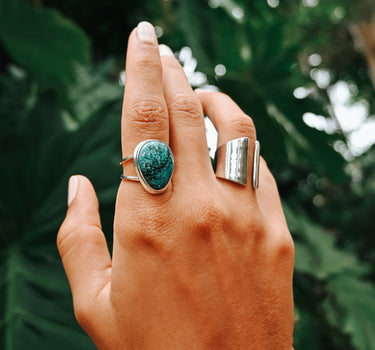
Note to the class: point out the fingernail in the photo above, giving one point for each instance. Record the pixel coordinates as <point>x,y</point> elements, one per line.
<point>164,50</point>
<point>146,33</point>
<point>72,188</point>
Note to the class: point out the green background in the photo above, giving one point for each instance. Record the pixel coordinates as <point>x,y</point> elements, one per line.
<point>60,107</point>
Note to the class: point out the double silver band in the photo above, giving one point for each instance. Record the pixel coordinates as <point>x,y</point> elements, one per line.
<point>126,177</point>
<point>231,161</point>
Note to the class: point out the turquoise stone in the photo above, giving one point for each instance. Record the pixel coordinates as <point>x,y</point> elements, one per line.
<point>155,163</point>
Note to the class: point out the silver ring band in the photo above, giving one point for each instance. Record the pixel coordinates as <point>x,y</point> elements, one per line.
<point>126,177</point>
<point>231,161</point>
<point>256,164</point>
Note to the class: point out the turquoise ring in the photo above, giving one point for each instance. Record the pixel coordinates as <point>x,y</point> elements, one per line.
<point>153,163</point>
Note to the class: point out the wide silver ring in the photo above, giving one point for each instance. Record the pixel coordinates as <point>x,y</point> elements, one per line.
<point>231,161</point>
<point>153,163</point>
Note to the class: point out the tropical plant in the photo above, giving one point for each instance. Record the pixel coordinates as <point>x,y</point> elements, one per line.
<point>60,115</point>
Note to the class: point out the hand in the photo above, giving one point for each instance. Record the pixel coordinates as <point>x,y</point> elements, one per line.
<point>208,263</point>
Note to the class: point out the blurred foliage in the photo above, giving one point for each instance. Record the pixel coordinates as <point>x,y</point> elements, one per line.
<point>42,41</point>
<point>60,115</point>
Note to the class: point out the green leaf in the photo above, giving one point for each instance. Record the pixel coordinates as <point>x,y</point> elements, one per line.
<point>350,301</point>
<point>48,45</point>
<point>40,154</point>
<point>355,300</point>
<point>316,250</point>
<point>93,90</point>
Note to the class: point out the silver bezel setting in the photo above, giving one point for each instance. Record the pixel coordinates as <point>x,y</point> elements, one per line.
<point>138,171</point>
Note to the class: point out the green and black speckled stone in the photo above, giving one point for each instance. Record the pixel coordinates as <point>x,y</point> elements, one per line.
<point>155,161</point>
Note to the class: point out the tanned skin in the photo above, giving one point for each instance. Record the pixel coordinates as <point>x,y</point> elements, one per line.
<point>207,264</point>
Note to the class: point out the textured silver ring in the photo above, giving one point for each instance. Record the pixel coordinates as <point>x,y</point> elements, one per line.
<point>153,163</point>
<point>231,161</point>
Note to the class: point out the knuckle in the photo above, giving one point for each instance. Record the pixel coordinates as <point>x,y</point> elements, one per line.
<point>147,63</point>
<point>145,111</point>
<point>71,235</point>
<point>186,104</point>
<point>250,226</point>
<point>286,246</point>
<point>256,227</point>
<point>208,218</point>
<point>154,245</point>
<point>283,247</point>
<point>243,125</point>
<point>148,113</point>
<point>66,231</point>
<point>152,236</point>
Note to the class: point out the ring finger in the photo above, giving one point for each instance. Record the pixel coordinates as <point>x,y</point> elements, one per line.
<point>230,122</point>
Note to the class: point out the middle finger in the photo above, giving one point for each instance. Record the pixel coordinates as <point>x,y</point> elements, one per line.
<point>187,128</point>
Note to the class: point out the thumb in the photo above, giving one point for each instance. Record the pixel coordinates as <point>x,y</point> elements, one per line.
<point>82,245</point>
